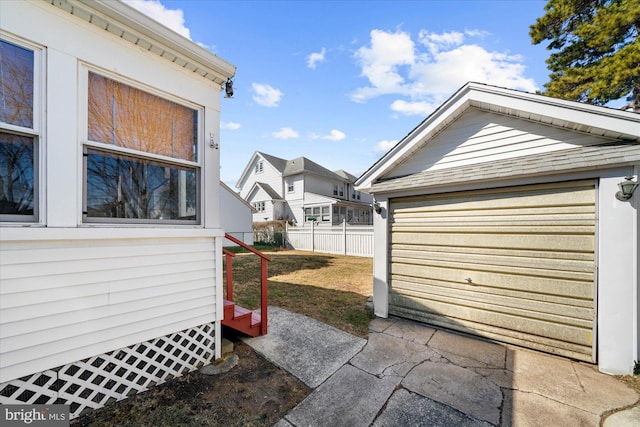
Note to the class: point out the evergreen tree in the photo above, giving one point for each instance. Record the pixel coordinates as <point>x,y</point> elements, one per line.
<point>595,49</point>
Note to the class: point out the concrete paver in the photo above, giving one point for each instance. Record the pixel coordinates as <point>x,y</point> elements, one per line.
<point>388,355</point>
<point>409,374</point>
<point>406,409</point>
<point>457,387</point>
<point>308,349</point>
<point>523,409</point>
<point>350,398</point>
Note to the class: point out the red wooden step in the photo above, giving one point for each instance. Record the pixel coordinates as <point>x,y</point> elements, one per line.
<point>241,319</point>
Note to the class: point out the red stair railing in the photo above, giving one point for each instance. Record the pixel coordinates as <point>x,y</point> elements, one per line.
<point>263,278</point>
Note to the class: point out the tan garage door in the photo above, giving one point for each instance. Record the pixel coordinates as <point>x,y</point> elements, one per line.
<point>513,264</point>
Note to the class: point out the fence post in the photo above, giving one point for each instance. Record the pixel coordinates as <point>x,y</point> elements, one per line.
<point>313,236</point>
<point>344,236</point>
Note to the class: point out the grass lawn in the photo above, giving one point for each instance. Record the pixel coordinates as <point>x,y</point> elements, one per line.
<point>330,288</point>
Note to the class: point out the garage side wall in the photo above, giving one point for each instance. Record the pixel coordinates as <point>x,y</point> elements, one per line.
<point>617,278</point>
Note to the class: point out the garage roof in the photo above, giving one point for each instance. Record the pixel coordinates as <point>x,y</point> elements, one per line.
<point>620,127</point>
<point>571,160</point>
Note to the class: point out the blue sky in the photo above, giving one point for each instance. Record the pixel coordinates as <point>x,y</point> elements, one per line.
<point>340,82</point>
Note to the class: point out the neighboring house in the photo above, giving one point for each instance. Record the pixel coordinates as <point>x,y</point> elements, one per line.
<point>499,217</point>
<point>302,191</point>
<point>111,238</point>
<point>236,216</point>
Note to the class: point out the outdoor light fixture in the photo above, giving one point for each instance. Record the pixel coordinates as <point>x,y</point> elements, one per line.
<point>228,88</point>
<point>376,207</point>
<point>627,187</point>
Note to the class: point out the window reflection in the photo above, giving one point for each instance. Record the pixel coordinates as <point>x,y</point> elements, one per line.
<point>16,174</point>
<point>16,85</point>
<point>120,186</point>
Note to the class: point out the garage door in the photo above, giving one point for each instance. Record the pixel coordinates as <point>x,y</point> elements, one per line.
<point>513,264</point>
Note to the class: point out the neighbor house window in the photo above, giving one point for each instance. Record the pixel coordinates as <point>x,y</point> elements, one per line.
<point>317,213</point>
<point>141,161</point>
<point>259,166</point>
<point>260,206</point>
<point>19,132</point>
<point>335,190</point>
<point>290,187</point>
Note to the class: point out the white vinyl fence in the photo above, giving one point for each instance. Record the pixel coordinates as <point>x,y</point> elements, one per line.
<point>356,240</point>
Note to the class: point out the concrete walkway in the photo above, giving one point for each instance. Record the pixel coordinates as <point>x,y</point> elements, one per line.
<point>408,374</point>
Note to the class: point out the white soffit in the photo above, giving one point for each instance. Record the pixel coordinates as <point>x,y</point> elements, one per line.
<point>127,23</point>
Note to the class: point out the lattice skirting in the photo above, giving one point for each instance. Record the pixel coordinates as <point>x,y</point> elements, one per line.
<point>113,376</point>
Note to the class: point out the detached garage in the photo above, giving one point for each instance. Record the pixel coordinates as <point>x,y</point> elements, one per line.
<point>499,218</point>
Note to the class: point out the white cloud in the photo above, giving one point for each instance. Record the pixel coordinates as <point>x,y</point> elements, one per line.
<point>384,146</point>
<point>285,133</point>
<point>316,57</point>
<point>420,108</point>
<point>382,61</point>
<point>431,69</point>
<point>230,125</point>
<point>266,95</point>
<point>171,18</point>
<point>335,135</point>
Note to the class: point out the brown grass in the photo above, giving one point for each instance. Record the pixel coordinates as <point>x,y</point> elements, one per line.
<point>329,288</point>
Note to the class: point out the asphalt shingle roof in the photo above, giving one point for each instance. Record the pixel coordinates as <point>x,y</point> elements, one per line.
<point>569,160</point>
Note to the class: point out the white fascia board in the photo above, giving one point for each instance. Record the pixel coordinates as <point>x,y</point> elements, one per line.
<point>601,121</point>
<point>440,118</point>
<point>163,41</point>
<point>579,116</point>
<point>246,170</point>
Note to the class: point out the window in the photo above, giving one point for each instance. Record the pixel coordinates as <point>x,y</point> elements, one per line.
<point>290,186</point>
<point>19,133</point>
<point>260,206</point>
<point>335,190</point>
<point>326,214</point>
<point>259,166</point>
<point>141,161</point>
<point>341,191</point>
<point>317,213</point>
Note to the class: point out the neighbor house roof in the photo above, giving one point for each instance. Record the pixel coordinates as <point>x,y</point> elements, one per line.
<point>267,189</point>
<point>137,28</point>
<point>293,167</point>
<point>304,165</point>
<point>615,125</point>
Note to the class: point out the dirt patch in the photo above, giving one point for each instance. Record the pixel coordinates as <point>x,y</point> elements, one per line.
<point>253,393</point>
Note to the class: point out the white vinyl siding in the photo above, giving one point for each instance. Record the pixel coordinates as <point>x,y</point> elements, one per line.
<point>514,264</point>
<point>63,300</point>
<point>478,137</point>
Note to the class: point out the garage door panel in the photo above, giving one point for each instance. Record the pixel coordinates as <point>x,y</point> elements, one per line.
<point>498,279</point>
<point>559,212</point>
<point>448,288</point>
<point>468,251</point>
<point>528,252</point>
<point>559,347</point>
<point>525,305</point>
<point>554,242</point>
<point>567,268</point>
<point>455,310</point>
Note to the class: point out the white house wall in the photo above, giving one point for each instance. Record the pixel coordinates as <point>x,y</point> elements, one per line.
<point>70,290</point>
<point>269,175</point>
<point>236,218</point>
<point>479,136</point>
<point>68,296</point>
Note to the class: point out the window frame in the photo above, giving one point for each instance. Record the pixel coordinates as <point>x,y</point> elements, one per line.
<point>87,144</point>
<point>290,186</point>
<point>35,132</point>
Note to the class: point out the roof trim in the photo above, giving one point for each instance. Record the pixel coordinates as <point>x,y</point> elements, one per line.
<point>587,158</point>
<point>237,196</point>
<point>576,116</point>
<point>137,28</point>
